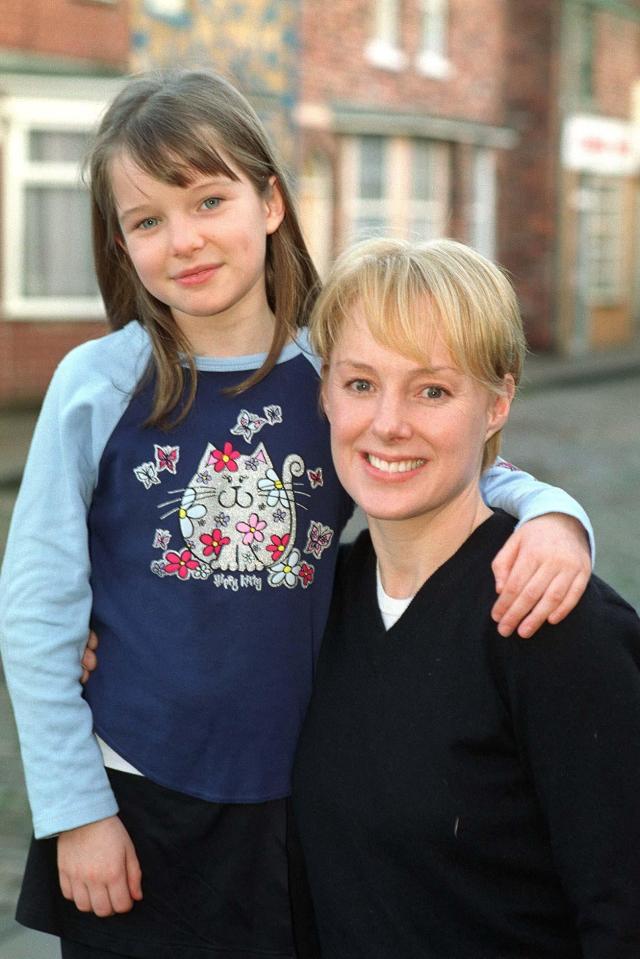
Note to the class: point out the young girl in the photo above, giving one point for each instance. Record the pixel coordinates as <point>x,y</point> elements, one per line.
<point>179,497</point>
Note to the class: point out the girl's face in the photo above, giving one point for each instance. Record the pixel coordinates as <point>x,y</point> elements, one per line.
<point>407,438</point>
<point>199,249</point>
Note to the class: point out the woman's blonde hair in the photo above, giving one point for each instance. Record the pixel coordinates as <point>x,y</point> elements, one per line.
<point>410,293</point>
<point>176,125</point>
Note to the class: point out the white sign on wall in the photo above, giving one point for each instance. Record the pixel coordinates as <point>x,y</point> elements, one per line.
<point>601,145</point>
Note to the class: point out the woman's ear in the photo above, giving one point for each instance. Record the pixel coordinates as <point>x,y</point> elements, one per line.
<point>274,204</point>
<point>500,406</point>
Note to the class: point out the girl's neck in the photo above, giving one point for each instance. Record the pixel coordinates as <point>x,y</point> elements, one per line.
<point>410,551</point>
<point>229,335</point>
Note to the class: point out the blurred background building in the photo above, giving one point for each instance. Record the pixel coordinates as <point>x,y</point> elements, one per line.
<point>512,125</point>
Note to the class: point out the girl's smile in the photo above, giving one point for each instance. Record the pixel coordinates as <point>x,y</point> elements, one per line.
<point>197,275</point>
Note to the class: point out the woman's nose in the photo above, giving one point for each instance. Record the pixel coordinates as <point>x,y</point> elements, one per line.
<point>391,420</point>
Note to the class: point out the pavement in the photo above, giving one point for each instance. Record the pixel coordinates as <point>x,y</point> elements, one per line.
<point>576,426</point>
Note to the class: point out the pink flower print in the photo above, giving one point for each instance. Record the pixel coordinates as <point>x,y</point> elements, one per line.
<point>306,574</point>
<point>252,529</point>
<point>213,542</point>
<point>277,545</point>
<point>224,459</point>
<point>180,563</point>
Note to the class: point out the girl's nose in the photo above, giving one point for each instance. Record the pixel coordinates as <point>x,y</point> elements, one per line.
<point>186,237</point>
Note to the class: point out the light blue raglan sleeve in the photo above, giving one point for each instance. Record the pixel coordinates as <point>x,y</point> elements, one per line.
<point>523,496</point>
<point>45,593</point>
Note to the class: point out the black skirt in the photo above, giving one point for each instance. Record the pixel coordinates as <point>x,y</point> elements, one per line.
<point>215,881</point>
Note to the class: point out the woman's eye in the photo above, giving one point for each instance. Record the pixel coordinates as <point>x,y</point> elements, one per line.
<point>211,202</point>
<point>148,223</point>
<point>434,392</point>
<point>359,386</point>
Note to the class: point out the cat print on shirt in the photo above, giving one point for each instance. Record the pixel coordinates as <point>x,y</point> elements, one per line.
<point>238,514</point>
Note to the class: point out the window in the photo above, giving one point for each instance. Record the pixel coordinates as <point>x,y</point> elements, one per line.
<point>605,232</point>
<point>432,59</point>
<point>372,217</point>
<point>429,190</point>
<point>395,185</point>
<point>384,49</point>
<point>47,257</point>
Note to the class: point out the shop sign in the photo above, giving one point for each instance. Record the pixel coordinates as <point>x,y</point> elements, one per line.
<point>601,145</point>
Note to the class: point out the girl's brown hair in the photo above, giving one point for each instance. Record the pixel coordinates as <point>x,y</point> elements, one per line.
<point>173,126</point>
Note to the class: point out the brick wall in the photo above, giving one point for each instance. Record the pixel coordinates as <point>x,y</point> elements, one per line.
<point>67,28</point>
<point>615,64</point>
<point>30,353</point>
<point>336,68</point>
<point>527,174</point>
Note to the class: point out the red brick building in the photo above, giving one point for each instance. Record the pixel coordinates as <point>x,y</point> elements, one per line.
<point>402,117</point>
<point>428,117</point>
<point>59,60</point>
<point>509,124</point>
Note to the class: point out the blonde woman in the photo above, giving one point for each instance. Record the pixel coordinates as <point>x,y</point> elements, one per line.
<point>458,794</point>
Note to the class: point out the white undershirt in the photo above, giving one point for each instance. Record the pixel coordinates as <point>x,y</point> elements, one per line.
<point>391,609</point>
<point>113,761</point>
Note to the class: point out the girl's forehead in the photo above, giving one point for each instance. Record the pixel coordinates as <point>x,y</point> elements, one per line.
<point>174,168</point>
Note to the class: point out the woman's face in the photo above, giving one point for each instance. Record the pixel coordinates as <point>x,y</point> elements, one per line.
<point>407,437</point>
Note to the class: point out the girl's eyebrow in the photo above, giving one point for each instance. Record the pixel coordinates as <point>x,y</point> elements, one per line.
<point>214,181</point>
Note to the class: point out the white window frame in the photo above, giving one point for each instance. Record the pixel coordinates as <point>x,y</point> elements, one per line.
<point>483,205</point>
<point>432,211</point>
<point>397,207</point>
<point>384,49</point>
<point>21,116</point>
<point>432,60</point>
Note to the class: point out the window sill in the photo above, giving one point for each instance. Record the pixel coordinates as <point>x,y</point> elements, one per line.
<point>434,65</point>
<point>53,308</point>
<point>383,55</point>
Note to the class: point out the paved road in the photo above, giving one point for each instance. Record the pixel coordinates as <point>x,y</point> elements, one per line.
<point>585,438</point>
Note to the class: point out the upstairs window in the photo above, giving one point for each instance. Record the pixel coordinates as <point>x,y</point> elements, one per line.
<point>384,49</point>
<point>432,58</point>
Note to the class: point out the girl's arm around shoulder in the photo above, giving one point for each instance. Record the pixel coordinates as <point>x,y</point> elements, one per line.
<point>574,697</point>
<point>45,594</point>
<point>544,567</point>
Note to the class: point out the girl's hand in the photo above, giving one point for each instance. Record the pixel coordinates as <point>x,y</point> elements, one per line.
<point>89,659</point>
<point>98,867</point>
<point>541,572</point>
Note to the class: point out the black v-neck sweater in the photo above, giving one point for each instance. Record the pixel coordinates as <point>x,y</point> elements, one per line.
<point>463,795</point>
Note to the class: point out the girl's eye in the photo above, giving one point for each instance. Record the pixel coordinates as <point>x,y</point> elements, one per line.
<point>148,223</point>
<point>433,392</point>
<point>211,202</point>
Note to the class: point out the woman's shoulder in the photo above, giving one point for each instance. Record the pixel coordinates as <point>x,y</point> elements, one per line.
<point>599,638</point>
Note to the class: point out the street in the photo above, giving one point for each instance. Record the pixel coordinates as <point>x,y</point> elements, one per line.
<point>585,438</point>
